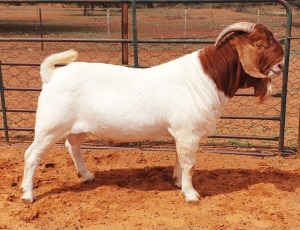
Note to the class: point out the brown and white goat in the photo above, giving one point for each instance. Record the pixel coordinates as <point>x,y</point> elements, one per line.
<point>180,100</point>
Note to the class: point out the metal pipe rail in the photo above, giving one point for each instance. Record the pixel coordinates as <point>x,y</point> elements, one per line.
<point>144,1</point>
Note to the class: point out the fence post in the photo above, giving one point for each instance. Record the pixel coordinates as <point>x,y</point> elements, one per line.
<point>124,33</point>
<point>298,150</point>
<point>134,34</point>
<point>85,9</point>
<point>41,27</point>
<point>5,126</point>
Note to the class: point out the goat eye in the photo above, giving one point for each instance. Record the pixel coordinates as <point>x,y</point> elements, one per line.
<point>259,45</point>
<point>262,45</point>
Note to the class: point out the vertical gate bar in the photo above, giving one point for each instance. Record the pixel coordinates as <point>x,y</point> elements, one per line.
<point>85,9</point>
<point>124,33</point>
<point>287,45</point>
<point>298,150</point>
<point>134,34</point>
<point>41,27</point>
<point>3,107</point>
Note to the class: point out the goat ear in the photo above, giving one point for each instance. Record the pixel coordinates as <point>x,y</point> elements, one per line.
<point>249,58</point>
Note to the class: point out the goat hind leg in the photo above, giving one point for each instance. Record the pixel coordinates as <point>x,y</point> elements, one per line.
<point>73,144</point>
<point>177,173</point>
<point>32,157</point>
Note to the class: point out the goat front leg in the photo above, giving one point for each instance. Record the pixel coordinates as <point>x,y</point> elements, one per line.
<point>186,153</point>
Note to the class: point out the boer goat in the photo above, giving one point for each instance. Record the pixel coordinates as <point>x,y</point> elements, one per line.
<point>180,100</point>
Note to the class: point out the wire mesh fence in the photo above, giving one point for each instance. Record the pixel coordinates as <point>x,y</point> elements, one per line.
<point>293,96</point>
<point>154,21</point>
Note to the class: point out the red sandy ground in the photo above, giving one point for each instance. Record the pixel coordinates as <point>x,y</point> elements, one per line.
<point>134,190</point>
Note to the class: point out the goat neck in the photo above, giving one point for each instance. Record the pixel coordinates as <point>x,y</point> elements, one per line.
<point>222,65</point>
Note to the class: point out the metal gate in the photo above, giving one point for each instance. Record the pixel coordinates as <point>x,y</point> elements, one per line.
<point>135,42</point>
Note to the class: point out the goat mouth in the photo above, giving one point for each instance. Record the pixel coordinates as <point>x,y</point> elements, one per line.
<point>275,72</point>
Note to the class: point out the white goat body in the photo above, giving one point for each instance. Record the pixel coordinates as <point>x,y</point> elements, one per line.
<point>175,100</point>
<point>122,104</point>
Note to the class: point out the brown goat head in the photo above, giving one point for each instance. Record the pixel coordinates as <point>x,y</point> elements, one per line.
<point>245,55</point>
<point>258,52</point>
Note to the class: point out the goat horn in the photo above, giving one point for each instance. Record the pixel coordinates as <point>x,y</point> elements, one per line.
<point>246,27</point>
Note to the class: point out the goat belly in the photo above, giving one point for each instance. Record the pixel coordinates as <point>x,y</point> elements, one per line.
<point>123,104</point>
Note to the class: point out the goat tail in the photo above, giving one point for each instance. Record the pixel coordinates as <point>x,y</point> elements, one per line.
<point>48,65</point>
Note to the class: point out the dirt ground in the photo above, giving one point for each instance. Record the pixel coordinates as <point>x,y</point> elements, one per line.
<point>134,190</point>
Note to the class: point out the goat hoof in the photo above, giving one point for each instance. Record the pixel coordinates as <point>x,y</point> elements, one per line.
<point>194,202</point>
<point>177,182</point>
<point>27,202</point>
<point>191,196</point>
<point>88,177</point>
<point>27,199</point>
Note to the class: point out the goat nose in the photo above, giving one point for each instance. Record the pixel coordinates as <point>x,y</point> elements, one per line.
<point>280,65</point>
